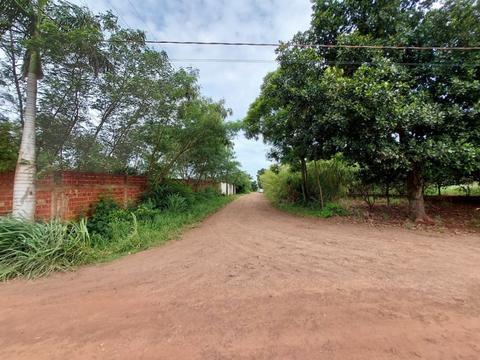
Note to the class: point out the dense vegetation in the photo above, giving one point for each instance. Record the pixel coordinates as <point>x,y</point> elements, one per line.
<point>406,118</point>
<point>105,102</point>
<point>79,92</point>
<point>32,249</point>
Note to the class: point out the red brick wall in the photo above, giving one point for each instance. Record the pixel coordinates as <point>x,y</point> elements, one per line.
<point>69,194</point>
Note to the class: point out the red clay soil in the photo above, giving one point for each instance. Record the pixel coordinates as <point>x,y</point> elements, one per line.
<point>254,283</point>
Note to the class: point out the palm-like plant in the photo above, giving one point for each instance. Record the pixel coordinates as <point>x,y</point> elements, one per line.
<point>74,31</point>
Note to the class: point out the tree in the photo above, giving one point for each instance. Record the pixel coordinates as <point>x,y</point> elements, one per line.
<point>393,112</point>
<point>23,205</point>
<point>8,148</point>
<point>108,102</point>
<point>41,35</point>
<point>259,174</point>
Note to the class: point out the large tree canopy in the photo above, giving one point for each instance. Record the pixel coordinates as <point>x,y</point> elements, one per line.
<point>400,114</point>
<point>107,101</point>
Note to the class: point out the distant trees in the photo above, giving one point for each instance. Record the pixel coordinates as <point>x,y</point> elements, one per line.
<point>106,101</point>
<point>400,115</point>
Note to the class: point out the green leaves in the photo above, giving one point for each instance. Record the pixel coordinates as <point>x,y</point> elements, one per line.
<point>391,111</point>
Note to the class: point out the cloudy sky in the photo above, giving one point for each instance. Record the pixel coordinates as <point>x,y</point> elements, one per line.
<point>218,21</point>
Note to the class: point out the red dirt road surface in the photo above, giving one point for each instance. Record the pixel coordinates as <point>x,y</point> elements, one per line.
<point>253,283</point>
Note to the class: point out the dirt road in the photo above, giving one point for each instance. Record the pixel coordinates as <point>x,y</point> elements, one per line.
<point>254,283</point>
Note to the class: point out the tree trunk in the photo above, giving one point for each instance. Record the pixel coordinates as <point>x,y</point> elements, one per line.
<point>306,195</point>
<point>319,185</point>
<point>416,205</point>
<point>24,182</point>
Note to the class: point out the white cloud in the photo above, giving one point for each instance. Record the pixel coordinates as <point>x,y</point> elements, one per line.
<point>219,20</point>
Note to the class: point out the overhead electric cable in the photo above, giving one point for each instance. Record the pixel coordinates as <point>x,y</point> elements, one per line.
<point>327,46</point>
<point>266,61</point>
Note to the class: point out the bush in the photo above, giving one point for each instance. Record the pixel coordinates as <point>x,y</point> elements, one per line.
<point>283,185</point>
<point>176,203</point>
<point>158,194</point>
<point>333,209</point>
<point>36,249</point>
<point>146,211</point>
<point>207,194</point>
<point>104,213</point>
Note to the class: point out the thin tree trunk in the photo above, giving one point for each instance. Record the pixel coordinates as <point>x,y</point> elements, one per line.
<point>319,185</point>
<point>416,204</point>
<point>304,179</point>
<point>24,182</point>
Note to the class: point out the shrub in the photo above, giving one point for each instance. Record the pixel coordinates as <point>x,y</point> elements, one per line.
<point>207,193</point>
<point>158,194</point>
<point>282,184</point>
<point>145,211</point>
<point>176,203</point>
<point>333,209</point>
<point>105,212</point>
<point>36,249</point>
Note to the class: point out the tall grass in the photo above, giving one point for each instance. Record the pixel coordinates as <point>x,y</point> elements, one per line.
<point>36,249</point>
<point>327,181</point>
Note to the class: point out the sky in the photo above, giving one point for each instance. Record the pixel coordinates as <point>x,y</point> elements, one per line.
<point>218,21</point>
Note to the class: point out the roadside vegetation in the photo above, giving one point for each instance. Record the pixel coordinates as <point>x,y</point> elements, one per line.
<point>32,249</point>
<point>82,93</point>
<point>327,181</point>
<point>406,119</point>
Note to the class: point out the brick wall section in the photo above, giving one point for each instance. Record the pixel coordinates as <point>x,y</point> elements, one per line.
<point>6,192</point>
<point>69,194</point>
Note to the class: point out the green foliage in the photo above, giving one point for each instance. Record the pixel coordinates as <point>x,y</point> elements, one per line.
<point>329,210</point>
<point>281,186</point>
<point>8,147</point>
<point>176,203</point>
<point>284,185</point>
<point>105,218</point>
<point>159,194</point>
<point>397,122</point>
<point>207,194</point>
<point>107,101</point>
<point>36,249</point>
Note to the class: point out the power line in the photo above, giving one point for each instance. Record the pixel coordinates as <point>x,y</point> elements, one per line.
<point>288,44</point>
<point>293,45</point>
<point>140,16</point>
<point>119,15</point>
<point>267,61</point>
<point>326,46</point>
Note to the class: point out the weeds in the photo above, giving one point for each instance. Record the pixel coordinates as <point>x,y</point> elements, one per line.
<point>36,249</point>
<point>329,210</point>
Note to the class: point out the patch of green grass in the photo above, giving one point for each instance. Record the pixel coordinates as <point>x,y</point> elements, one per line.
<point>36,249</point>
<point>462,190</point>
<point>329,210</point>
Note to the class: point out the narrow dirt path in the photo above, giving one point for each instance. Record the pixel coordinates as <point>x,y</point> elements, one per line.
<point>254,283</point>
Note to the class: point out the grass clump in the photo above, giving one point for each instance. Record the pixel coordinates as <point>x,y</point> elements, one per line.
<point>329,209</point>
<point>36,249</point>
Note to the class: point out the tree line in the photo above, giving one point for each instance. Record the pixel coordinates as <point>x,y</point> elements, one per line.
<point>78,91</point>
<point>404,117</point>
